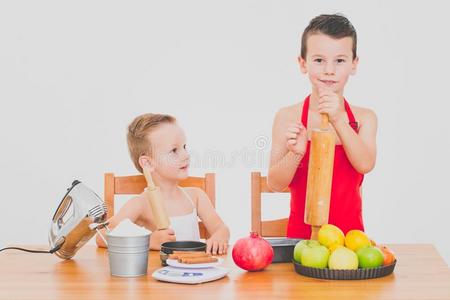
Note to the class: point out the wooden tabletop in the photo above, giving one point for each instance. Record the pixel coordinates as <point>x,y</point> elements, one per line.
<point>420,274</point>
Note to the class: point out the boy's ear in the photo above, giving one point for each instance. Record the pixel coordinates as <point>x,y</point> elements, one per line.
<point>146,161</point>
<point>302,63</point>
<point>354,65</point>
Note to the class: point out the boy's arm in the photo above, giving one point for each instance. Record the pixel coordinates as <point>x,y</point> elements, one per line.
<point>359,147</point>
<point>131,210</point>
<point>219,232</point>
<point>134,209</point>
<point>283,161</point>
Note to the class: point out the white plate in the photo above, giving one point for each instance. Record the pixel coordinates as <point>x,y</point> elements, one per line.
<point>176,264</point>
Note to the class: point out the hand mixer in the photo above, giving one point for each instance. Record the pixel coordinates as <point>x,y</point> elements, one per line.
<point>79,215</point>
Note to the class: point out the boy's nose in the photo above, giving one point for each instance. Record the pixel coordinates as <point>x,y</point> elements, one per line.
<point>329,69</point>
<point>185,155</point>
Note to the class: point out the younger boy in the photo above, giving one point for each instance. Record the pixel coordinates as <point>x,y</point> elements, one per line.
<point>156,141</point>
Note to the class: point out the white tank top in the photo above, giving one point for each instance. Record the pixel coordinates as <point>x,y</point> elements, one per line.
<point>186,226</point>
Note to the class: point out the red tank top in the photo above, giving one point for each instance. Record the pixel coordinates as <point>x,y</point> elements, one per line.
<point>345,202</point>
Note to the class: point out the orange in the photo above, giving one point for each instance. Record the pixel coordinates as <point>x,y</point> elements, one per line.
<point>389,256</point>
<point>356,239</point>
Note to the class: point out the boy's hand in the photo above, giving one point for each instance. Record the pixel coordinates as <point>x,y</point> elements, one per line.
<point>216,246</point>
<point>161,236</point>
<point>331,104</point>
<point>296,138</point>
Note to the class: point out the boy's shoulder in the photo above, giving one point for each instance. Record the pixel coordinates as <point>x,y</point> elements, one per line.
<point>363,113</point>
<point>291,113</point>
<point>194,192</point>
<point>192,189</point>
<point>197,194</point>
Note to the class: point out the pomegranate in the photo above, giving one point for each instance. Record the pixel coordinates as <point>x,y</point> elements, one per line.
<point>252,253</point>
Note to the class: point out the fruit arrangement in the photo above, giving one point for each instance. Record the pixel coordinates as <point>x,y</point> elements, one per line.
<point>354,252</point>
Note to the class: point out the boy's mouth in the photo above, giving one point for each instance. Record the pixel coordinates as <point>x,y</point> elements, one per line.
<point>184,167</point>
<point>328,82</point>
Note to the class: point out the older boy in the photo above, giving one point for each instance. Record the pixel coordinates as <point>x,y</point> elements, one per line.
<point>328,56</point>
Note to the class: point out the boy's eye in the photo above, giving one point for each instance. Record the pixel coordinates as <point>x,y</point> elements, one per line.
<point>340,60</point>
<point>318,60</point>
<point>185,146</point>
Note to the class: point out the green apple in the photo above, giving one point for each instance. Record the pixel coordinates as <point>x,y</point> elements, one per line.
<point>315,257</point>
<point>343,259</point>
<point>370,257</point>
<point>300,246</point>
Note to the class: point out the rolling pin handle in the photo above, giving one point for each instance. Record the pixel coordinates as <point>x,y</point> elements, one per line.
<point>324,121</point>
<point>148,178</point>
<point>315,232</point>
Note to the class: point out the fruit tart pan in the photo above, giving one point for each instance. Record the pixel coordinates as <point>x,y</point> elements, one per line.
<point>358,274</point>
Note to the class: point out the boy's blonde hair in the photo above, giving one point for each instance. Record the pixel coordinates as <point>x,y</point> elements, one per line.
<point>137,137</point>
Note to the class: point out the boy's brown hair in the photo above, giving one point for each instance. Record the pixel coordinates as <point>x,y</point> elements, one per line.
<point>137,137</point>
<point>336,26</point>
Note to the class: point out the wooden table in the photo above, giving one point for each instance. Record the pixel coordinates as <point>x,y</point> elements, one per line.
<point>420,274</point>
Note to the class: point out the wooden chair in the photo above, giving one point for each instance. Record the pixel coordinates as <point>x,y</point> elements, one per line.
<point>133,185</point>
<point>272,228</point>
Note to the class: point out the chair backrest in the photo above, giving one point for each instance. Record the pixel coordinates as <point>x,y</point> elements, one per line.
<point>272,228</point>
<point>134,185</point>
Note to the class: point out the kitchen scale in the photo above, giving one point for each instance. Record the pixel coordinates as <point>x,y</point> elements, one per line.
<point>189,276</point>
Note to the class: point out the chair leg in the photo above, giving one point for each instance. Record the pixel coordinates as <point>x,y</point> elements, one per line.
<point>256,202</point>
<point>109,194</point>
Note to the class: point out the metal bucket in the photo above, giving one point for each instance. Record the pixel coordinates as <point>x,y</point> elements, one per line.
<point>128,255</point>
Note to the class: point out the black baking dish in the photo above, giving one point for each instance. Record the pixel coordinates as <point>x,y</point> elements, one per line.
<point>283,249</point>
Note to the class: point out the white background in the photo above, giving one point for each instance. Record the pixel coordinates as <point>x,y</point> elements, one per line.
<point>74,74</point>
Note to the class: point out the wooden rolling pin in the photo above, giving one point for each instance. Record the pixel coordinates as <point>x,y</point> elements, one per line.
<point>156,202</point>
<point>320,175</point>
